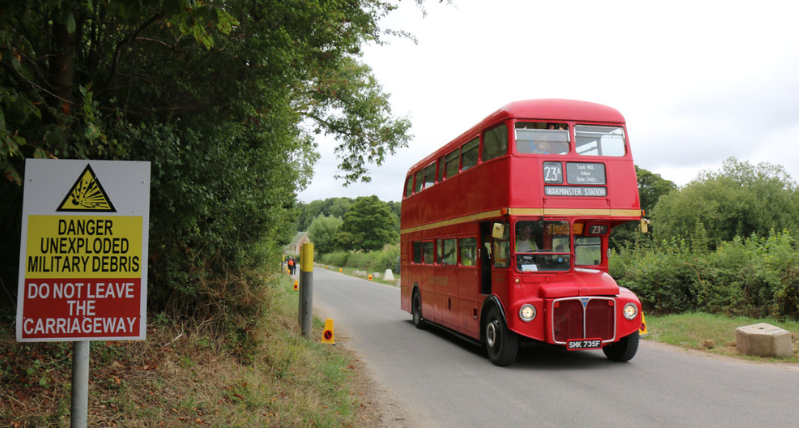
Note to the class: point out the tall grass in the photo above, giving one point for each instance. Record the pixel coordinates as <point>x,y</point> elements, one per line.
<point>189,373</point>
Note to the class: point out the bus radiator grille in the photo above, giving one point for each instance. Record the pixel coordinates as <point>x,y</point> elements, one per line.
<point>573,320</point>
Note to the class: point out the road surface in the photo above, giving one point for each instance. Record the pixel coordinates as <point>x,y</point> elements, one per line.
<point>438,380</point>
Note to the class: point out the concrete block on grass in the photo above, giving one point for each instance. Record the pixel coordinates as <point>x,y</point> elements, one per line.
<point>764,340</point>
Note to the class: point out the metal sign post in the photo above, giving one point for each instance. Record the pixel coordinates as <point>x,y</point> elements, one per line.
<point>80,384</point>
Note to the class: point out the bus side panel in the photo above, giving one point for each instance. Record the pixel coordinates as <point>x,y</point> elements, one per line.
<point>525,178</point>
<point>492,187</point>
<point>446,305</point>
<point>406,283</point>
<point>499,286</point>
<point>428,291</point>
<point>468,298</point>
<point>443,197</point>
<point>624,184</point>
<point>467,192</point>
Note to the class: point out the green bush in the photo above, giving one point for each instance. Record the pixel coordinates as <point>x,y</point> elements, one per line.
<point>754,277</point>
<point>373,261</point>
<point>338,258</point>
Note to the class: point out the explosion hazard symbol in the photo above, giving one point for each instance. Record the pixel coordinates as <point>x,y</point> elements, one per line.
<point>87,194</point>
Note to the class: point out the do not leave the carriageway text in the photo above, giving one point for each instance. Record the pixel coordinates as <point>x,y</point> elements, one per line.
<point>84,312</point>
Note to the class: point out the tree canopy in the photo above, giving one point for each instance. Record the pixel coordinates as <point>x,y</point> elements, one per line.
<point>740,199</point>
<point>651,187</point>
<point>335,207</point>
<point>322,233</point>
<point>223,97</point>
<point>368,226</point>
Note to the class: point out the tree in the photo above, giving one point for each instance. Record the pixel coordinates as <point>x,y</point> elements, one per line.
<point>322,233</point>
<point>335,207</point>
<point>739,200</point>
<point>651,187</point>
<point>368,226</point>
<point>396,209</point>
<point>223,97</point>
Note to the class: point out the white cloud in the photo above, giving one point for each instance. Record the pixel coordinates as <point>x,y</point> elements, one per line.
<point>698,82</point>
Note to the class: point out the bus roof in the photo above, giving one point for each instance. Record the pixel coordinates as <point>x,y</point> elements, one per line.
<point>541,109</point>
<point>556,109</point>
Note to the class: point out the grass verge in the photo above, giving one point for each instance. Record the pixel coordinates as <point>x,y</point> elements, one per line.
<point>713,333</point>
<point>185,375</point>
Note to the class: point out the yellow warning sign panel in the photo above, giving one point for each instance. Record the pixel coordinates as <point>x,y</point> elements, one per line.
<point>87,194</point>
<point>83,247</point>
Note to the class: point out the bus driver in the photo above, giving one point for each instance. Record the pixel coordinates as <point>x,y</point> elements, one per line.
<point>524,244</point>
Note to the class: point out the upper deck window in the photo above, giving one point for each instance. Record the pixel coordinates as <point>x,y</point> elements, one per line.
<point>409,186</point>
<point>430,175</point>
<point>593,140</point>
<point>451,164</point>
<point>419,181</point>
<point>469,154</point>
<point>542,138</point>
<point>495,143</point>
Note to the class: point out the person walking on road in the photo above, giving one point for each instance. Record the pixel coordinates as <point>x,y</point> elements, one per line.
<point>291,265</point>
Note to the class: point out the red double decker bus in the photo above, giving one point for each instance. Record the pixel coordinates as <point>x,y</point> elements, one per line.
<point>504,231</point>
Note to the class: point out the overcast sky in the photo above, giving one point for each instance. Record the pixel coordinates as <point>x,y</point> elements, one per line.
<point>697,81</point>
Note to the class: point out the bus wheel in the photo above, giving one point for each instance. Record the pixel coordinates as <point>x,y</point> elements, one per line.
<point>416,308</point>
<point>623,350</point>
<point>501,343</point>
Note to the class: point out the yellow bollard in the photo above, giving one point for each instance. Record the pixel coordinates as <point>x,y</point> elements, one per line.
<point>339,269</point>
<point>296,285</point>
<point>327,334</point>
<point>643,331</point>
<point>370,277</point>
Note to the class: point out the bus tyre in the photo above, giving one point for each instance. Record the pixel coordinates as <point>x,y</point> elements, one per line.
<point>416,310</point>
<point>623,350</point>
<point>501,343</point>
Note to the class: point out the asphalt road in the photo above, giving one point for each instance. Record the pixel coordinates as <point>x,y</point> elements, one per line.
<point>438,380</point>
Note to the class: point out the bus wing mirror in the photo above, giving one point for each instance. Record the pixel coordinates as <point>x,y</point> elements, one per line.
<point>499,231</point>
<point>644,225</point>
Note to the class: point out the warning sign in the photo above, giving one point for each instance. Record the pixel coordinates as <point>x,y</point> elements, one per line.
<point>83,261</point>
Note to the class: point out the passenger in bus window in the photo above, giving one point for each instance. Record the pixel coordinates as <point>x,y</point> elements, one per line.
<point>542,148</point>
<point>524,244</point>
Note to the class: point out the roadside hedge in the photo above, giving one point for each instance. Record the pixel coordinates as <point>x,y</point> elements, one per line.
<point>755,276</point>
<point>373,261</point>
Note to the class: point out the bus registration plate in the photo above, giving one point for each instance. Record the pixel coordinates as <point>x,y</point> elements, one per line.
<point>583,344</point>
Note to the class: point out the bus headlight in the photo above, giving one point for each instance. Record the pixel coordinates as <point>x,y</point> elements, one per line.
<point>527,313</point>
<point>630,311</point>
